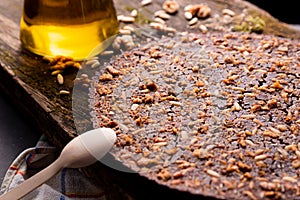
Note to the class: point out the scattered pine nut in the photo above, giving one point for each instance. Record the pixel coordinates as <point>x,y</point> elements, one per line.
<point>60,79</point>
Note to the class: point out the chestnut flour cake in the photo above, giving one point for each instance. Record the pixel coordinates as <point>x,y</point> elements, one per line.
<point>215,114</point>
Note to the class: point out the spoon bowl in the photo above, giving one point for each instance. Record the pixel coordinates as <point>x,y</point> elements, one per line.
<point>87,148</point>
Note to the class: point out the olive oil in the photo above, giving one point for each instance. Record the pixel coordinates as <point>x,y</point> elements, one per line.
<point>66,27</point>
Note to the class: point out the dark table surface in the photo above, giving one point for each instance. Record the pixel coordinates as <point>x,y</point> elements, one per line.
<point>16,135</point>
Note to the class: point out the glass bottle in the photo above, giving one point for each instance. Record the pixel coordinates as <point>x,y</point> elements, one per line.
<point>66,27</point>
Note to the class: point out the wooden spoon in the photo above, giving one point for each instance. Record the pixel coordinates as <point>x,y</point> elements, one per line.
<point>82,151</point>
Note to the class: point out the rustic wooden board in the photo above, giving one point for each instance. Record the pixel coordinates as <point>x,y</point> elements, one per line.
<point>25,79</point>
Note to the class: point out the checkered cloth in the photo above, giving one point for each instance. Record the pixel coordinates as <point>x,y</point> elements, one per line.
<point>68,184</point>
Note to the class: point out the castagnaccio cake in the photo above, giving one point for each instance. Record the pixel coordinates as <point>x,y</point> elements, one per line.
<point>216,114</point>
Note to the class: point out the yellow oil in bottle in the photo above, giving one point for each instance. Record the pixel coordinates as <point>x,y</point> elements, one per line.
<point>66,27</point>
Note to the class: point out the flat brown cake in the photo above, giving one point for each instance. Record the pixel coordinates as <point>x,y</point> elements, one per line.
<point>216,115</point>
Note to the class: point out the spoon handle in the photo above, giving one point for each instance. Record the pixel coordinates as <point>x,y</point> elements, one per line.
<point>33,182</point>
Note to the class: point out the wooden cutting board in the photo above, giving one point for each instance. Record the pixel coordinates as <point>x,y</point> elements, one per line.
<point>26,80</point>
